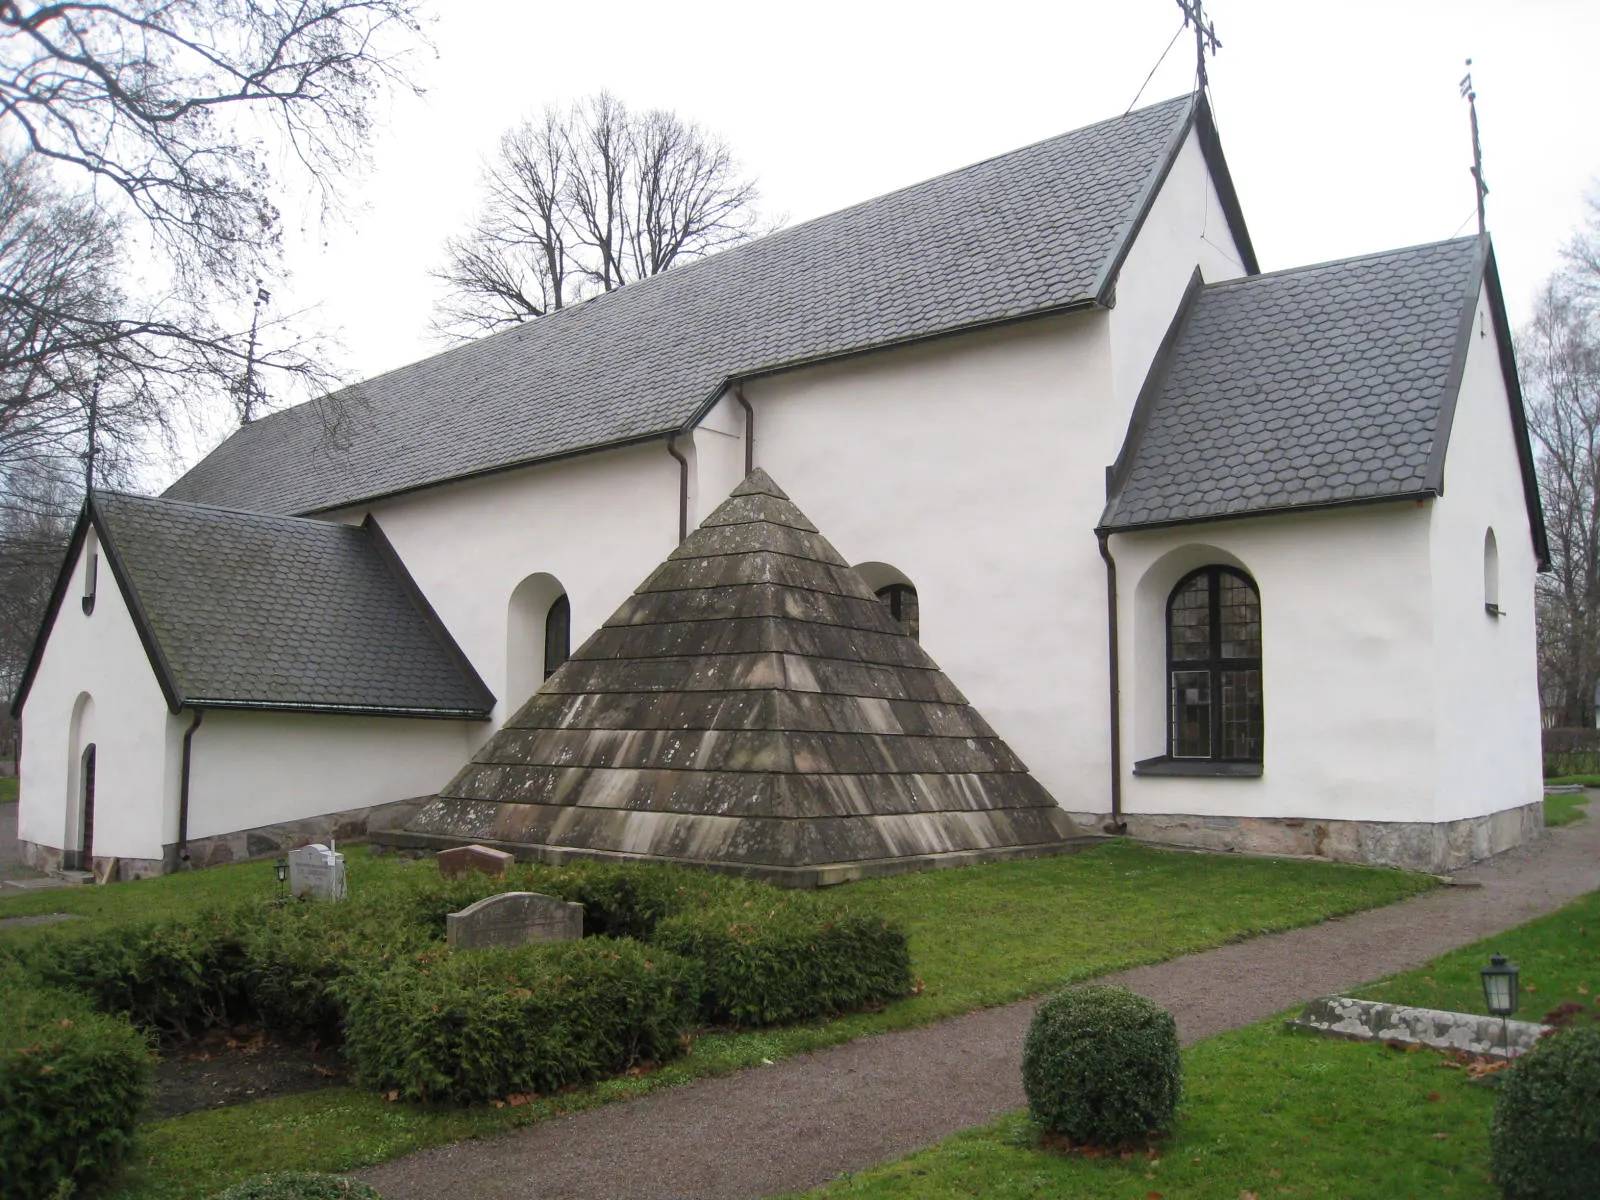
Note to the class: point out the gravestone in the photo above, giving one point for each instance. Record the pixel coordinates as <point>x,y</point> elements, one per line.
<point>513,918</point>
<point>458,860</point>
<point>317,872</point>
<point>1375,1021</point>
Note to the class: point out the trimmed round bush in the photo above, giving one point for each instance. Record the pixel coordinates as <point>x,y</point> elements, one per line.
<point>781,957</point>
<point>72,1082</point>
<point>1101,1066</point>
<point>1544,1140</point>
<point>298,1185</point>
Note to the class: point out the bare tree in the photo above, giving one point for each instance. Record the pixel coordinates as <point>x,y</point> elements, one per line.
<point>585,201</point>
<point>1560,356</point>
<point>158,125</point>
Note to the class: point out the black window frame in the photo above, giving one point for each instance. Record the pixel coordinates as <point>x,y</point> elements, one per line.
<point>1214,664</point>
<point>557,634</point>
<point>893,596</point>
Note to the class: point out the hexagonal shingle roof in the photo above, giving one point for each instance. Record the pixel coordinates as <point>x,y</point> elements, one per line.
<point>1308,388</point>
<point>243,610</point>
<point>1033,231</point>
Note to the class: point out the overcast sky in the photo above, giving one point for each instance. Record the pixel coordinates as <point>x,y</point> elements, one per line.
<point>1342,123</point>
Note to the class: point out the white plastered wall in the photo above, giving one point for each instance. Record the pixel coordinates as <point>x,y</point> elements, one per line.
<point>974,465</point>
<point>1185,228</point>
<point>249,769</point>
<point>1347,660</point>
<point>99,659</point>
<point>1485,675</point>
<point>598,524</point>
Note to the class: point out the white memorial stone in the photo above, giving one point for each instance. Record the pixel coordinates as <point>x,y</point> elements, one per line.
<point>317,872</point>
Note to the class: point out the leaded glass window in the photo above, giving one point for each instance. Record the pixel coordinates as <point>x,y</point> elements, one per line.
<point>1214,667</point>
<point>901,599</point>
<point>557,634</point>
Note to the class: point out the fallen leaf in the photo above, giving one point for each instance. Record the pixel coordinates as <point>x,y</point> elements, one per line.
<point>1247,1196</point>
<point>518,1099</point>
<point>1274,1172</point>
<point>1435,1098</point>
<point>1528,987</point>
<point>1155,1196</point>
<point>391,1097</point>
<point>498,1103</point>
<point>1439,1137</point>
<point>321,1070</point>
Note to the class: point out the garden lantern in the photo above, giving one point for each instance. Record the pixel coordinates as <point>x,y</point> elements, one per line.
<point>1500,986</point>
<point>282,868</point>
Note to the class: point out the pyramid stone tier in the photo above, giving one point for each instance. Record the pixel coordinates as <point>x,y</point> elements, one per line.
<point>752,707</point>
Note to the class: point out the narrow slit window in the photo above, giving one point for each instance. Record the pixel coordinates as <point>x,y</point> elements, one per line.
<point>557,635</point>
<point>1491,575</point>
<point>1215,708</point>
<point>901,601</point>
<point>91,581</point>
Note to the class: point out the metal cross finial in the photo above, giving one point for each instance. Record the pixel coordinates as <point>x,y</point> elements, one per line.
<point>1482,188</point>
<point>1205,37</point>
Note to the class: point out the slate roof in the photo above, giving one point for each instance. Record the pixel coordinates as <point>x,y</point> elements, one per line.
<point>1037,230</point>
<point>1323,385</point>
<point>752,706</point>
<point>250,611</point>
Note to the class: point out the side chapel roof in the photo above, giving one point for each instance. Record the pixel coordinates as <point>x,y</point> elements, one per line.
<point>1038,230</point>
<point>1314,387</point>
<point>242,610</point>
<point>752,706</point>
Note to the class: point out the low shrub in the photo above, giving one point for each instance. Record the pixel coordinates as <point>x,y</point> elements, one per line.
<point>788,956</point>
<point>1100,1066</point>
<point>298,1185</point>
<point>488,1024</point>
<point>1544,1139</point>
<point>72,1081</point>
<point>176,978</point>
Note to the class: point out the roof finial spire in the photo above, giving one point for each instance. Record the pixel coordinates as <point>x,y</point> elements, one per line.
<point>1205,38</point>
<point>1481,188</point>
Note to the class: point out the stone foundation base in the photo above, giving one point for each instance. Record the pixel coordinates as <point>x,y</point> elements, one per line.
<point>1412,845</point>
<point>265,841</point>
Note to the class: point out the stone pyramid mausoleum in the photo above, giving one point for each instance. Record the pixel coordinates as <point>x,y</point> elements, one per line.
<point>752,707</point>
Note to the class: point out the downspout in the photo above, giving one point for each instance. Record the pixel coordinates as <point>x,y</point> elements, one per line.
<point>183,791</point>
<point>749,428</point>
<point>683,487</point>
<point>1116,824</point>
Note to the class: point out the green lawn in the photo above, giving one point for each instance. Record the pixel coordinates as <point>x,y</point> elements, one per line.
<point>1270,1112</point>
<point>1564,810</point>
<point>8,789</point>
<point>979,935</point>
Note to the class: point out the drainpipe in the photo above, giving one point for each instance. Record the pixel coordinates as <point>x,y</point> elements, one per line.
<point>183,790</point>
<point>749,428</point>
<point>683,487</point>
<point>1116,824</point>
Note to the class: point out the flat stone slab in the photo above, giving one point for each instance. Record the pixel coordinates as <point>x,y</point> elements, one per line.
<point>1563,789</point>
<point>45,884</point>
<point>458,860</point>
<point>1372,1021</point>
<point>513,919</point>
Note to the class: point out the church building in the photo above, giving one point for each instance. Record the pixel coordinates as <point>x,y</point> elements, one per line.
<point>1020,507</point>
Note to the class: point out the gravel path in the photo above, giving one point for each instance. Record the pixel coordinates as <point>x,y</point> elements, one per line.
<point>804,1121</point>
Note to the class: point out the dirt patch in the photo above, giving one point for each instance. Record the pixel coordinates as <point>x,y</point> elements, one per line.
<point>222,1069</point>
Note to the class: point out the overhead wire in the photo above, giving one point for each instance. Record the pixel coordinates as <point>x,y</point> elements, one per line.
<point>1153,70</point>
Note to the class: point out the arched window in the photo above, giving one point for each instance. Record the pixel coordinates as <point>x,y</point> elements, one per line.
<point>1491,575</point>
<point>538,633</point>
<point>557,634</point>
<point>901,599</point>
<point>1214,667</point>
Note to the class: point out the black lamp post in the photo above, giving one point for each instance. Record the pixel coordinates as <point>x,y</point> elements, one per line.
<point>282,868</point>
<point>1500,993</point>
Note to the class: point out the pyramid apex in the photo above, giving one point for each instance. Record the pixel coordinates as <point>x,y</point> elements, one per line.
<point>759,483</point>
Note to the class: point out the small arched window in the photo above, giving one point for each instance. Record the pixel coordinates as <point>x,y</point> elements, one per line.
<point>1214,708</point>
<point>901,600</point>
<point>557,634</point>
<point>1491,575</point>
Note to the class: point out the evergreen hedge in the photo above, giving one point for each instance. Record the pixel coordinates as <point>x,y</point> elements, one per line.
<point>72,1082</point>
<point>788,956</point>
<point>466,1028</point>
<point>1544,1139</point>
<point>1101,1067</point>
<point>298,1185</point>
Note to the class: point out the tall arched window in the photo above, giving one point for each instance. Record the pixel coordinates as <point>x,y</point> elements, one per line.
<point>901,599</point>
<point>1214,706</point>
<point>557,634</point>
<point>1491,575</point>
